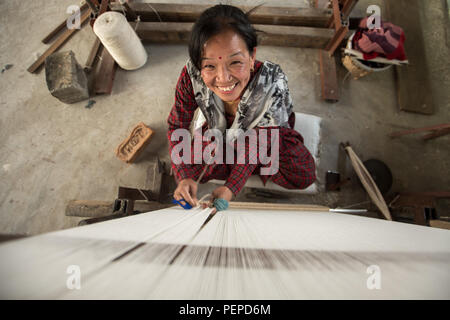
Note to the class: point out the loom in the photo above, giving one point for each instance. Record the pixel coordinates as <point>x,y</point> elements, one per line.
<point>235,254</point>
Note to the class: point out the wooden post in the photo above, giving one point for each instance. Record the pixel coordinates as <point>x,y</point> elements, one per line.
<point>328,77</point>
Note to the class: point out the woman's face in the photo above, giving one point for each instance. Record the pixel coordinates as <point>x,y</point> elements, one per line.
<point>226,64</point>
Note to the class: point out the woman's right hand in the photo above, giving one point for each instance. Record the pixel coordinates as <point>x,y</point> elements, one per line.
<point>187,190</point>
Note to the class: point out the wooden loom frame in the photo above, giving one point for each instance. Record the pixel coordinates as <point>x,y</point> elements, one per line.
<point>317,28</point>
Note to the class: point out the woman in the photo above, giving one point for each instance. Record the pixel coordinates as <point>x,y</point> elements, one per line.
<point>235,91</point>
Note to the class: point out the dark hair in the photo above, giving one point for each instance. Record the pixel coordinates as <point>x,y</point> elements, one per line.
<point>215,20</point>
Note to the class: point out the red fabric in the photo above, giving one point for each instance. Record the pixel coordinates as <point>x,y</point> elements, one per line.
<point>387,42</point>
<point>296,165</point>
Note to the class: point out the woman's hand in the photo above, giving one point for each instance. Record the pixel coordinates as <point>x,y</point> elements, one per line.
<point>222,192</point>
<point>187,190</point>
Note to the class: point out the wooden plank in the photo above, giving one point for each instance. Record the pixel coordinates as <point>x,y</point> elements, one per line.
<point>289,16</point>
<point>335,20</point>
<point>336,40</point>
<point>57,44</point>
<point>418,130</point>
<point>60,27</point>
<point>93,54</point>
<point>104,78</point>
<point>277,206</point>
<point>435,194</point>
<point>163,32</point>
<point>440,224</point>
<point>436,134</point>
<point>348,7</point>
<point>328,77</point>
<point>413,85</point>
<point>302,37</point>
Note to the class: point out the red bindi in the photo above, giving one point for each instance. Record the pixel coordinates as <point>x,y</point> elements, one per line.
<point>220,58</point>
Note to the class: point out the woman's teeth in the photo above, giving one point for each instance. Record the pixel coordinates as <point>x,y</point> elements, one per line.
<point>227,88</point>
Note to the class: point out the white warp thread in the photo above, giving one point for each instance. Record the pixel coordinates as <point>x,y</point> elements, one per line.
<point>121,41</point>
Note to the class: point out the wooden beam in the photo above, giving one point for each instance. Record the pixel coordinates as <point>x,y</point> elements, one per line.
<point>413,85</point>
<point>328,77</point>
<point>60,27</point>
<point>93,54</point>
<point>335,20</point>
<point>434,194</point>
<point>163,32</point>
<point>437,133</point>
<point>348,8</point>
<point>277,206</point>
<point>334,42</point>
<point>104,78</point>
<point>163,12</point>
<point>418,130</point>
<point>58,43</point>
<point>302,37</point>
<point>440,224</point>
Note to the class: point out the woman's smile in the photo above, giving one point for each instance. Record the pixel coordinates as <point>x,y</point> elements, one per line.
<point>227,89</point>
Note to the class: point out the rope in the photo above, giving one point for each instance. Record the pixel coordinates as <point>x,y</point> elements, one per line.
<point>156,12</point>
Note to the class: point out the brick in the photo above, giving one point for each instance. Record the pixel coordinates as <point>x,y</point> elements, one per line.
<point>132,146</point>
<point>65,78</point>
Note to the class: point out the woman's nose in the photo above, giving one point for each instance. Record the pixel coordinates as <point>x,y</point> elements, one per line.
<point>223,74</point>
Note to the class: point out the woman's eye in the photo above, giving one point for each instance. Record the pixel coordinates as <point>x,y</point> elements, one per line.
<point>208,66</point>
<point>236,62</point>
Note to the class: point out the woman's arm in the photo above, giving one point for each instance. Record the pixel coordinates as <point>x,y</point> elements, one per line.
<point>180,117</point>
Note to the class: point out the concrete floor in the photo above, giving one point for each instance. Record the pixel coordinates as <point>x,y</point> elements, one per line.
<point>51,152</point>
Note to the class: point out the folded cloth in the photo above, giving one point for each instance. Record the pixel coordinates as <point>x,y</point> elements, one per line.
<point>386,41</point>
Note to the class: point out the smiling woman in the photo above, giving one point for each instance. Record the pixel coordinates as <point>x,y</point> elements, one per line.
<point>237,95</point>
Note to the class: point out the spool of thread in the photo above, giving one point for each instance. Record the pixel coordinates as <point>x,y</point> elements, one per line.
<point>121,41</point>
<point>221,204</point>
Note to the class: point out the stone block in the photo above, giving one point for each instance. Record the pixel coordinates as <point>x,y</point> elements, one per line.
<point>145,175</point>
<point>65,78</point>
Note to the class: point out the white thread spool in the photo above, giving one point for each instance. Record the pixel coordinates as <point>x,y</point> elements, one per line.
<point>121,41</point>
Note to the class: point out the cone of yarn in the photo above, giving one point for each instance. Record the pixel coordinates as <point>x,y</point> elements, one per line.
<point>121,41</point>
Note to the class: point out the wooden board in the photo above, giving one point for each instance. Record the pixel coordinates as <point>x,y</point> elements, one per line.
<point>440,224</point>
<point>60,27</point>
<point>413,85</point>
<point>311,17</point>
<point>58,43</point>
<point>93,54</point>
<point>328,77</point>
<point>104,78</point>
<point>302,37</point>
